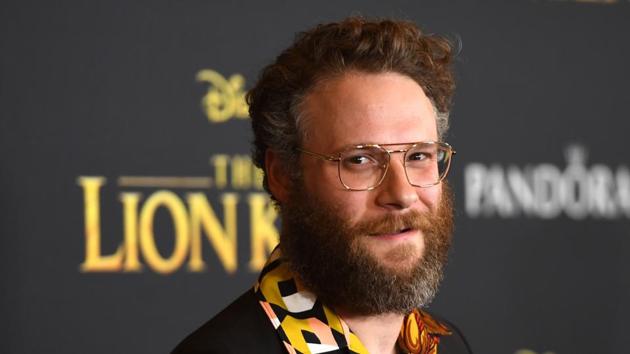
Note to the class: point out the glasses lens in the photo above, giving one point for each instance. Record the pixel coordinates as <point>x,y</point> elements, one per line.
<point>427,163</point>
<point>362,168</point>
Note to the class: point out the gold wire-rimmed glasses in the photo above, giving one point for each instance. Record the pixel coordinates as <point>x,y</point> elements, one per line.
<point>363,167</point>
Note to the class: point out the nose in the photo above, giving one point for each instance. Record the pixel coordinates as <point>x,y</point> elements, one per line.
<point>395,192</point>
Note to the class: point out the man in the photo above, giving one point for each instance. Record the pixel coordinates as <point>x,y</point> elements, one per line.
<point>347,125</point>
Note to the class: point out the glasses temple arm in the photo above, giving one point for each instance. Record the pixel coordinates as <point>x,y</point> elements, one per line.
<point>321,156</point>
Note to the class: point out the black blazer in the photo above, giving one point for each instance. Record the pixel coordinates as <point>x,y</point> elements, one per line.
<point>243,327</point>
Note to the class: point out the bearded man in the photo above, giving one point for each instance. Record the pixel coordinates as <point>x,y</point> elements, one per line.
<point>348,126</point>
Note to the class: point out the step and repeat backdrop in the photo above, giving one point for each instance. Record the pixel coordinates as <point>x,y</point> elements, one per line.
<point>130,210</point>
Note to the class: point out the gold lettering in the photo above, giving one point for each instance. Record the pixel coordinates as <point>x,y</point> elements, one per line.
<point>174,205</point>
<point>225,98</point>
<point>223,239</point>
<point>220,163</point>
<point>94,260</point>
<point>241,172</point>
<point>130,216</point>
<point>527,351</point>
<point>189,222</point>
<point>264,235</point>
<point>258,178</point>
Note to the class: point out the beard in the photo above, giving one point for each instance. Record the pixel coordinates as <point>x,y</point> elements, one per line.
<point>329,258</point>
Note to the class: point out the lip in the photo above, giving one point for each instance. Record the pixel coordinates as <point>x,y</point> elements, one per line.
<point>408,233</point>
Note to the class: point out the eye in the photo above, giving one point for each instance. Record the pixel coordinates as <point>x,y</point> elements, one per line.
<point>359,160</point>
<point>418,156</point>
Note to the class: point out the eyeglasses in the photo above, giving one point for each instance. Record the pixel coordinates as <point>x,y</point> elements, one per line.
<point>363,167</point>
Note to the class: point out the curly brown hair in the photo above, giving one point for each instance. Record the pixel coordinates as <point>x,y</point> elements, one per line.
<point>330,50</point>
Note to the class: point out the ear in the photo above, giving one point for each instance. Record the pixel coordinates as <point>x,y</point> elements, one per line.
<point>277,176</point>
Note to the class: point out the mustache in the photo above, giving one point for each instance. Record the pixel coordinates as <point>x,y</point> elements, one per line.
<point>393,223</point>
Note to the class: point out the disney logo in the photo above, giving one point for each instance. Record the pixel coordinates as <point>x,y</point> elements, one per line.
<point>225,98</point>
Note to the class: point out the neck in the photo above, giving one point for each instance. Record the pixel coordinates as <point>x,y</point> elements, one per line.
<point>378,333</point>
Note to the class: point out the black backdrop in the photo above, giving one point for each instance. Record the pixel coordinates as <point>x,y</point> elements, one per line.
<point>113,136</point>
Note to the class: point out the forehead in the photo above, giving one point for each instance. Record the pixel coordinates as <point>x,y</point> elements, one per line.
<point>356,108</point>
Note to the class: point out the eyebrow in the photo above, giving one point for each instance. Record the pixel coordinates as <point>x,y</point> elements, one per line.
<point>388,144</point>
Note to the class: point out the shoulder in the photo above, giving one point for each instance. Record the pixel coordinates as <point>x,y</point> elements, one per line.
<point>242,327</point>
<point>453,340</point>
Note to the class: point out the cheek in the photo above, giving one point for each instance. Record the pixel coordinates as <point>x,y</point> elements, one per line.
<point>348,205</point>
<point>431,196</point>
<point>323,179</point>
<point>322,182</point>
